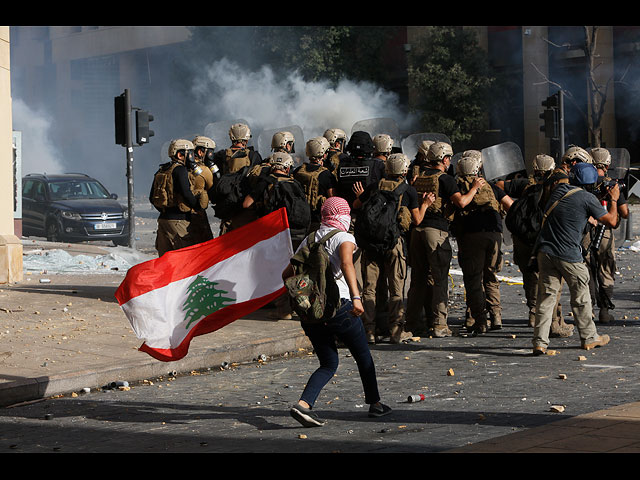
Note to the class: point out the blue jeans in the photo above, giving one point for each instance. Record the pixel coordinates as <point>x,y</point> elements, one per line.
<point>349,330</point>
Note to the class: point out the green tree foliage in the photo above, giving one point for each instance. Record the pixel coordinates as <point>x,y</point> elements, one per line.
<point>450,73</point>
<point>315,52</point>
<point>203,298</point>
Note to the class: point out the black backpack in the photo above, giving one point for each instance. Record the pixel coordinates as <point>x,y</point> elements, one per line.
<point>229,193</point>
<point>377,228</point>
<point>524,218</point>
<point>288,193</point>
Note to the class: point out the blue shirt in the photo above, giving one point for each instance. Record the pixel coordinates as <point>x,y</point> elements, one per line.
<point>561,235</point>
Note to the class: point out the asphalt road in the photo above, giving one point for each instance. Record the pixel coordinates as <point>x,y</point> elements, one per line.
<point>476,388</point>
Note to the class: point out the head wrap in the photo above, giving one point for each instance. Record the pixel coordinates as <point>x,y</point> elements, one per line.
<point>336,213</point>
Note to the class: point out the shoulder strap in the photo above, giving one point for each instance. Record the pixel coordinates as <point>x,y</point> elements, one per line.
<point>569,193</point>
<point>324,239</point>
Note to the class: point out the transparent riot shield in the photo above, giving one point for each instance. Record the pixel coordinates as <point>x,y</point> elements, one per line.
<point>219,132</point>
<point>454,163</point>
<point>502,160</point>
<point>620,163</point>
<point>410,144</point>
<point>265,137</point>
<point>374,126</point>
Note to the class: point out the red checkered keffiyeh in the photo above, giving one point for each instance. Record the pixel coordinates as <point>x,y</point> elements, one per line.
<point>336,213</point>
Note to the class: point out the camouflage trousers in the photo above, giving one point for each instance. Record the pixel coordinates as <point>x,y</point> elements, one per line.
<point>480,258</point>
<point>430,254</point>
<point>173,235</point>
<point>393,267</point>
<point>606,267</point>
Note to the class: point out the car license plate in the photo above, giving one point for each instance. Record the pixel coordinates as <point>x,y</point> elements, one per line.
<point>104,226</point>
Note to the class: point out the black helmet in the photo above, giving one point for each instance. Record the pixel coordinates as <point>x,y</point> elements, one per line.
<point>360,144</point>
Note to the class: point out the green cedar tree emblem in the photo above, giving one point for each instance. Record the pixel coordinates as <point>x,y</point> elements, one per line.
<point>203,298</point>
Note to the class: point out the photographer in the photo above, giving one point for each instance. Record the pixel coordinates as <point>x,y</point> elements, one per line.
<point>559,254</point>
<point>599,240</point>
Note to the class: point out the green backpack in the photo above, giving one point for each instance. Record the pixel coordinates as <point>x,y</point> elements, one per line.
<point>312,288</point>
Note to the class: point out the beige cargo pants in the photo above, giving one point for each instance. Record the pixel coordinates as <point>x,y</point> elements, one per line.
<point>430,253</point>
<point>394,268</point>
<point>551,271</point>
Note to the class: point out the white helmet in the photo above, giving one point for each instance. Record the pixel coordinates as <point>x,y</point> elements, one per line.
<point>469,165</point>
<point>180,144</point>
<point>239,131</point>
<point>334,135</point>
<point>477,154</point>
<point>280,139</point>
<point>601,157</point>
<point>383,143</point>
<point>423,146</point>
<point>397,164</point>
<point>280,160</point>
<point>204,142</point>
<point>576,153</point>
<point>439,150</point>
<point>316,147</point>
<point>543,163</point>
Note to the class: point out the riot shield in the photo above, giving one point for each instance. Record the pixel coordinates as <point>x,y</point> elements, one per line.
<point>620,163</point>
<point>454,163</point>
<point>265,137</point>
<point>219,133</point>
<point>410,144</point>
<point>374,126</point>
<point>502,160</point>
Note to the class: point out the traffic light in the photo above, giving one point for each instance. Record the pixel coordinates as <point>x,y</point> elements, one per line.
<point>551,116</point>
<point>142,127</point>
<point>122,118</point>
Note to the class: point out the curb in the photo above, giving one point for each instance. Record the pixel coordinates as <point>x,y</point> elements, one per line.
<point>32,389</point>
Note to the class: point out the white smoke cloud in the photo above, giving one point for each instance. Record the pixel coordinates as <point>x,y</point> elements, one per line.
<point>266,101</point>
<point>39,155</point>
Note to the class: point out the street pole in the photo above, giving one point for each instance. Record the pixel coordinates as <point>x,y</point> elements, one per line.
<point>129,154</point>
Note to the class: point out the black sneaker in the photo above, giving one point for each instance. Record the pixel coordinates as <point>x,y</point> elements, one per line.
<point>305,416</point>
<point>379,410</point>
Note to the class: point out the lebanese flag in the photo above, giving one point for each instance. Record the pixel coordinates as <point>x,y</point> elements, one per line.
<point>201,288</point>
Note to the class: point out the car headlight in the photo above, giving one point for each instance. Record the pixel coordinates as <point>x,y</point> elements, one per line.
<point>71,215</point>
<point>125,213</point>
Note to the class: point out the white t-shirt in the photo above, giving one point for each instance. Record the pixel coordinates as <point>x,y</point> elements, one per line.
<point>333,249</point>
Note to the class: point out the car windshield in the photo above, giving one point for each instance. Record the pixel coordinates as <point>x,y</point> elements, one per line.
<point>77,189</point>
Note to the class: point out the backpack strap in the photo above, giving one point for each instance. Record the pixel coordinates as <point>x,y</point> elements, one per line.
<point>546,214</point>
<point>324,239</point>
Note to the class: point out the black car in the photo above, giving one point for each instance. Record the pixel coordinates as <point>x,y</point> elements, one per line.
<point>72,207</point>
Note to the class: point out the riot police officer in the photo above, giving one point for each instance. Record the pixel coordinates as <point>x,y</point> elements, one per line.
<point>478,231</point>
<point>603,260</point>
<point>358,166</point>
<point>239,157</point>
<point>317,180</point>
<point>203,180</point>
<point>429,247</point>
<point>382,146</point>
<point>337,139</point>
<point>171,194</point>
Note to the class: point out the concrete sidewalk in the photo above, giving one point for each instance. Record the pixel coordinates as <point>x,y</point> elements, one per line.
<point>69,334</point>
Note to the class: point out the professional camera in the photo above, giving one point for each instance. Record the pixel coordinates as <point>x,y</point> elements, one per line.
<point>608,185</point>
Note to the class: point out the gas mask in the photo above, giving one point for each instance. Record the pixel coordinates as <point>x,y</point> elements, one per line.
<point>190,163</point>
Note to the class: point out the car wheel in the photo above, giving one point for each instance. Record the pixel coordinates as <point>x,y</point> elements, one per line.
<point>124,242</point>
<point>53,232</point>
